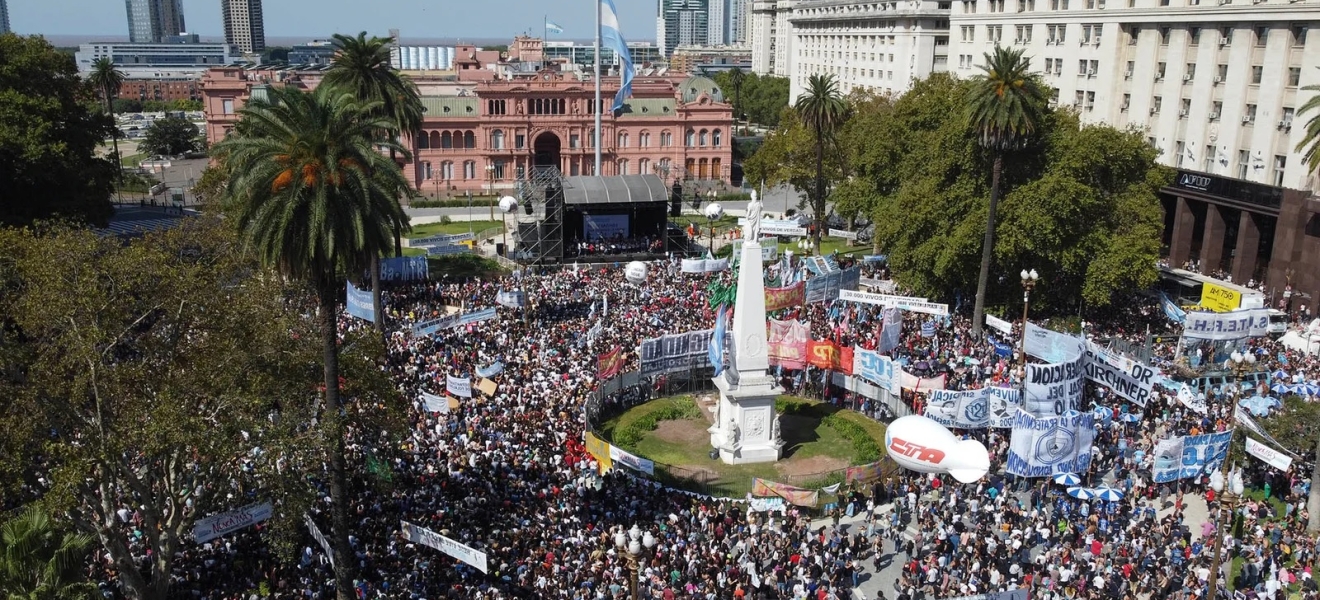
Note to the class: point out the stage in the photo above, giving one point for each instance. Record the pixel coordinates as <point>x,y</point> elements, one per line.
<point>595,219</point>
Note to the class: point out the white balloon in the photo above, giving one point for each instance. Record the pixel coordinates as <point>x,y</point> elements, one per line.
<point>635,272</point>
<point>508,204</point>
<point>923,445</point>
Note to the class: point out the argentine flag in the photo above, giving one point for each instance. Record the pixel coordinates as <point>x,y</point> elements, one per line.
<point>553,28</point>
<point>611,37</point>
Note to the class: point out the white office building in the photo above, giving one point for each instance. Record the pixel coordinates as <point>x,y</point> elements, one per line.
<point>739,11</point>
<point>717,32</point>
<point>769,35</point>
<point>1214,84</point>
<point>422,58</point>
<point>882,46</point>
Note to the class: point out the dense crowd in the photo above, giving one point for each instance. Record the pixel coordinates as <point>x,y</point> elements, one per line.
<point>508,474</point>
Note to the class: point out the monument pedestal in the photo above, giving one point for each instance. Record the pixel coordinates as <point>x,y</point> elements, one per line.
<point>746,428</point>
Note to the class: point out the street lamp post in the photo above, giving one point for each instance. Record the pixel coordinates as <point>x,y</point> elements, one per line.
<point>1228,492</point>
<point>635,547</point>
<point>1029,279</point>
<point>713,213</point>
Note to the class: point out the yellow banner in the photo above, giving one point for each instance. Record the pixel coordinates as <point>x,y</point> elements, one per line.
<point>600,450</point>
<point>1219,298</point>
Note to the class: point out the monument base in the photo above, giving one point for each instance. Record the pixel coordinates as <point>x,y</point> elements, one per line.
<point>746,428</point>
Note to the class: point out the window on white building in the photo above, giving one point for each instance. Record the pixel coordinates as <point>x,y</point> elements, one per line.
<point>1209,158</point>
<point>1257,73</point>
<point>1184,107</point>
<point>1294,76</point>
<point>1250,115</point>
<point>1181,149</point>
<point>1156,104</point>
<point>1160,69</point>
<point>1216,109</point>
<point>1243,164</point>
<point>1262,35</point>
<point>1280,164</point>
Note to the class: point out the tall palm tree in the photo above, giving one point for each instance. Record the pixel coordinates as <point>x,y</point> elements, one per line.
<point>362,67</point>
<point>824,110</point>
<point>314,198</point>
<point>38,561</point>
<point>1005,104</point>
<point>1310,144</point>
<point>107,81</point>
<point>736,77</point>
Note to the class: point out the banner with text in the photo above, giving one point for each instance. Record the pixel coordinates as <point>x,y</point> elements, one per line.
<point>904,302</point>
<point>785,297</point>
<point>622,457</point>
<point>1233,325</point>
<point>787,344</point>
<point>458,386</point>
<point>225,523</point>
<point>974,409</point>
<point>1219,298</point>
<point>1189,456</point>
<point>434,403</point>
<point>1051,346</point>
<point>892,329</point>
<point>794,495</point>
<point>1054,389</point>
<point>700,265</point>
<point>1041,447</point>
<point>404,268</point>
<point>609,364</point>
<point>877,368</point>
<point>1272,457</point>
<point>676,352</point>
<point>1128,378</point>
<point>999,324</point>
<point>421,535</point>
<point>360,304</point>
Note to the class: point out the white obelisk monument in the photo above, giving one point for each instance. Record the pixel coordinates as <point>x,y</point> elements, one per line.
<point>746,428</point>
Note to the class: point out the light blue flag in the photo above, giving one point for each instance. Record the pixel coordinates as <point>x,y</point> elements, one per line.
<point>552,28</point>
<point>611,37</point>
<point>716,349</point>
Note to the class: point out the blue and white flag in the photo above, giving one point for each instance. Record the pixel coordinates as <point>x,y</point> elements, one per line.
<point>511,299</point>
<point>1171,310</point>
<point>716,348</point>
<point>551,27</point>
<point>492,370</point>
<point>611,36</point>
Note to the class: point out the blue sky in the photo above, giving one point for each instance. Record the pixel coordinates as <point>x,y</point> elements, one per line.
<point>500,19</point>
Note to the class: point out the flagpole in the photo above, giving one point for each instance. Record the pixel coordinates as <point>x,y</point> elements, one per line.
<point>596,172</point>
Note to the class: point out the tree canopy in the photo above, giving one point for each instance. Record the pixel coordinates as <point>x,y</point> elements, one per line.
<point>761,98</point>
<point>49,132</point>
<point>170,136</point>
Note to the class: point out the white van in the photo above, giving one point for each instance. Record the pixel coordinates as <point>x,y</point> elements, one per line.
<point>1278,322</point>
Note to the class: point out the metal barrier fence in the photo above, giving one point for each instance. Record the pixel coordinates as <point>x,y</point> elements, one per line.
<point>615,396</point>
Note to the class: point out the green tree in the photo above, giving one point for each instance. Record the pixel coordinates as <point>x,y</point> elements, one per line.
<point>824,111</point>
<point>759,99</point>
<point>1004,107</point>
<point>127,105</point>
<point>38,561</point>
<point>1297,428</point>
<point>1310,144</point>
<point>145,368</point>
<point>787,157</point>
<point>170,136</point>
<point>736,77</point>
<point>48,138</point>
<point>314,199</point>
<point>107,79</point>
<point>362,67</point>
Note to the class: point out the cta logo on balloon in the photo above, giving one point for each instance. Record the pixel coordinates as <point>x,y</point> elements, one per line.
<point>923,445</point>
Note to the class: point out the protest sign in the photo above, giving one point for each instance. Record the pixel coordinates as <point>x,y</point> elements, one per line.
<point>1129,379</point>
<point>1269,455</point>
<point>1045,446</point>
<point>458,386</point>
<point>1054,389</point>
<point>787,344</point>
<point>360,304</point>
<point>1233,325</point>
<point>224,523</point>
<point>1189,456</point>
<point>421,535</point>
<point>677,352</point>
<point>877,368</point>
<point>622,457</point>
<point>785,297</point>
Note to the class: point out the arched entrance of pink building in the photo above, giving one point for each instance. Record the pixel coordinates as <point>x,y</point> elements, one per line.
<point>546,147</point>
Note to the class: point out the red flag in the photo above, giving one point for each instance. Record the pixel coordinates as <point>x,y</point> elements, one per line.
<point>846,360</point>
<point>609,364</point>
<point>824,355</point>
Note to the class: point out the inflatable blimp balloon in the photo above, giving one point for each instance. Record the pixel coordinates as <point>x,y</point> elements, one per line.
<point>635,272</point>
<point>923,445</point>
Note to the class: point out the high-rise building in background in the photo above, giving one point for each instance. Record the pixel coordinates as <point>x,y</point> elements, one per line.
<point>739,12</point>
<point>769,35</point>
<point>4,17</point>
<point>243,25</point>
<point>717,33</point>
<point>151,21</point>
<point>681,23</point>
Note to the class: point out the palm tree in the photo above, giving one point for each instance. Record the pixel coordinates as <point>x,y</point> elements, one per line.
<point>362,67</point>
<point>823,109</point>
<point>1310,144</point>
<point>313,197</point>
<point>107,80</point>
<point>37,561</point>
<point>1004,106</point>
<point>736,77</point>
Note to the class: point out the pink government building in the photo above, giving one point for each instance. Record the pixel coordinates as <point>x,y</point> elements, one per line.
<point>491,120</point>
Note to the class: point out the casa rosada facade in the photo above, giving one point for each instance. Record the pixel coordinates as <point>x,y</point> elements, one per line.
<point>482,130</point>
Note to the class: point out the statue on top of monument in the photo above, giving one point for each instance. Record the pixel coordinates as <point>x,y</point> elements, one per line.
<point>752,231</point>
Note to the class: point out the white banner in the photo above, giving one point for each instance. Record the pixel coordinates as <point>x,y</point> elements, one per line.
<point>904,302</point>
<point>421,535</point>
<point>1271,456</point>
<point>884,286</point>
<point>1054,389</point>
<point>215,526</point>
<point>974,409</point>
<point>698,265</point>
<point>1128,378</point>
<point>320,539</point>
<point>999,324</point>
<point>622,457</point>
<point>441,239</point>
<point>458,386</point>
<point>434,403</point>
<point>1189,398</point>
<point>1041,447</point>
<point>783,230</point>
<point>1051,346</point>
<point>843,233</point>
<point>1243,418</point>
<point>1233,325</point>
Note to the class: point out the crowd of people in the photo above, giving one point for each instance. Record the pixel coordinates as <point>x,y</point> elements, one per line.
<point>508,474</point>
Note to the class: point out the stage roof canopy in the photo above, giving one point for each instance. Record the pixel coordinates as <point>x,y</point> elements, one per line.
<point>621,189</point>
